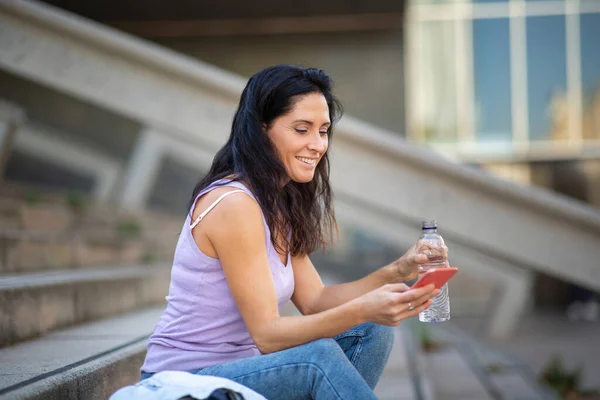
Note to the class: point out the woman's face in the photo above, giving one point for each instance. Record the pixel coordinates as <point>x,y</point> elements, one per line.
<point>301,136</point>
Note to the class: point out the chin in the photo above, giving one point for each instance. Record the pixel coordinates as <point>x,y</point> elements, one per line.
<point>302,178</point>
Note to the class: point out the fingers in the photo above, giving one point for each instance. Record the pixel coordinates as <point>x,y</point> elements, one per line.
<point>407,303</point>
<point>405,312</point>
<point>417,310</point>
<point>416,303</point>
<point>414,294</point>
<point>397,287</point>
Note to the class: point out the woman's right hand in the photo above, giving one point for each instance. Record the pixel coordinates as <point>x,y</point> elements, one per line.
<point>392,303</point>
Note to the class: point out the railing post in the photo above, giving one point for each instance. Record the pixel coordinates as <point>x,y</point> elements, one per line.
<point>511,305</point>
<point>142,170</point>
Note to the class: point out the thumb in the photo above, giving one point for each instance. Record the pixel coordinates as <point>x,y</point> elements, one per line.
<point>420,259</point>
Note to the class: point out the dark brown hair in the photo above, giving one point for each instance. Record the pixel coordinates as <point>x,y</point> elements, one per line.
<point>250,157</point>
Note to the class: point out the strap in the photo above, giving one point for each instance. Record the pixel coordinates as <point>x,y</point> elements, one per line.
<point>213,205</point>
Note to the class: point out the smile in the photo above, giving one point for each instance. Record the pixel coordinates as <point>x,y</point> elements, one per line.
<point>308,161</point>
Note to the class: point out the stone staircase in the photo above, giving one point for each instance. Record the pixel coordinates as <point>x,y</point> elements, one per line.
<point>76,284</point>
<point>499,233</point>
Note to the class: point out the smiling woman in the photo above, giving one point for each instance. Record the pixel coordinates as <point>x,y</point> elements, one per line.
<point>263,207</point>
<point>285,112</point>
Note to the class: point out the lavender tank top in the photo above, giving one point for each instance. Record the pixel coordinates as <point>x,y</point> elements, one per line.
<point>201,325</point>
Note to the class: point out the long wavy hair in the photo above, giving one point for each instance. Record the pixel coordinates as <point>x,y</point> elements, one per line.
<point>250,157</point>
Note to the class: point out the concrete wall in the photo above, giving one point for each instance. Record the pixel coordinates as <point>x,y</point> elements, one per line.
<point>375,58</point>
<point>70,118</point>
<point>578,179</point>
<point>68,143</point>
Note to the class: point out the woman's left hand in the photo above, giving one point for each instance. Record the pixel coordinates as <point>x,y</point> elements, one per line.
<point>407,267</point>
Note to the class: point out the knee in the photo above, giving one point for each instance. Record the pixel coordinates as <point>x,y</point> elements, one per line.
<point>323,352</point>
<point>324,357</point>
<point>325,348</point>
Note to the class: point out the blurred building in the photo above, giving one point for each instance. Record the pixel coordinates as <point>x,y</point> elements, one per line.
<point>347,39</point>
<point>512,86</point>
<point>508,86</point>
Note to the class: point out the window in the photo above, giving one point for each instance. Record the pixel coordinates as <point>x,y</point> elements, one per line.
<point>547,77</point>
<point>590,75</point>
<point>435,83</point>
<point>491,54</point>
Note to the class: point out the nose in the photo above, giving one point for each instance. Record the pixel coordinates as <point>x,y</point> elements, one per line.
<point>318,143</point>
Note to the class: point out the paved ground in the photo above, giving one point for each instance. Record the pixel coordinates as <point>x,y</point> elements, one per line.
<point>396,382</point>
<point>467,368</point>
<point>543,335</point>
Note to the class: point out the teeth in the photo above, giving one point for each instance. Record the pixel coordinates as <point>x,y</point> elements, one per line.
<point>307,160</point>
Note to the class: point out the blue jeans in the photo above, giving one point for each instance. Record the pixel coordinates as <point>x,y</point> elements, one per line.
<point>343,368</point>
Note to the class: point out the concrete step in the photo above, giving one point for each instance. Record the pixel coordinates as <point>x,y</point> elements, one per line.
<point>51,234</point>
<point>24,251</point>
<point>35,304</point>
<point>23,192</point>
<point>90,361</point>
<point>52,216</point>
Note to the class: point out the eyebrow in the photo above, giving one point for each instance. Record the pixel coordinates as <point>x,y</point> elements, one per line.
<point>310,122</point>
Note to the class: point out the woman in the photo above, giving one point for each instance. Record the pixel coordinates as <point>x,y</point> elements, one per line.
<point>243,252</point>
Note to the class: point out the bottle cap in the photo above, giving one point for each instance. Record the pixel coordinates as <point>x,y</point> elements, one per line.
<point>429,224</point>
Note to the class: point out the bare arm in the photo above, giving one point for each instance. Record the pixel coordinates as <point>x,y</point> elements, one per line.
<point>311,296</point>
<point>236,232</point>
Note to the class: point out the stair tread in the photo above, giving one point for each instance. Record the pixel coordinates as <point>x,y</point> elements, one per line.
<point>74,275</point>
<point>62,348</point>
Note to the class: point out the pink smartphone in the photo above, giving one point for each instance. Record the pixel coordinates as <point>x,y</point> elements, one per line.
<point>437,276</point>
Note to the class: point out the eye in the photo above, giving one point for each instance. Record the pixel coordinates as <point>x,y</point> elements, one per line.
<point>301,130</point>
<point>324,133</point>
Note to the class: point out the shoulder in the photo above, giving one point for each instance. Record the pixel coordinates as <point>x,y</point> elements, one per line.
<point>236,212</point>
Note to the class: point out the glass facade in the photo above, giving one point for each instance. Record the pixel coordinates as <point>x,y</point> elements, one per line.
<point>504,75</point>
<point>438,1</point>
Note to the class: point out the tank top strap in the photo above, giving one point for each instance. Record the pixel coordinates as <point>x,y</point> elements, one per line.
<point>213,205</point>
<point>214,185</point>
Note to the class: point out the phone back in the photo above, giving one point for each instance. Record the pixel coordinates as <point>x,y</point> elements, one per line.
<point>437,276</point>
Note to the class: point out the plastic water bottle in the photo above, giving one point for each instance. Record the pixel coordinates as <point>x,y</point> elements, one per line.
<point>432,244</point>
